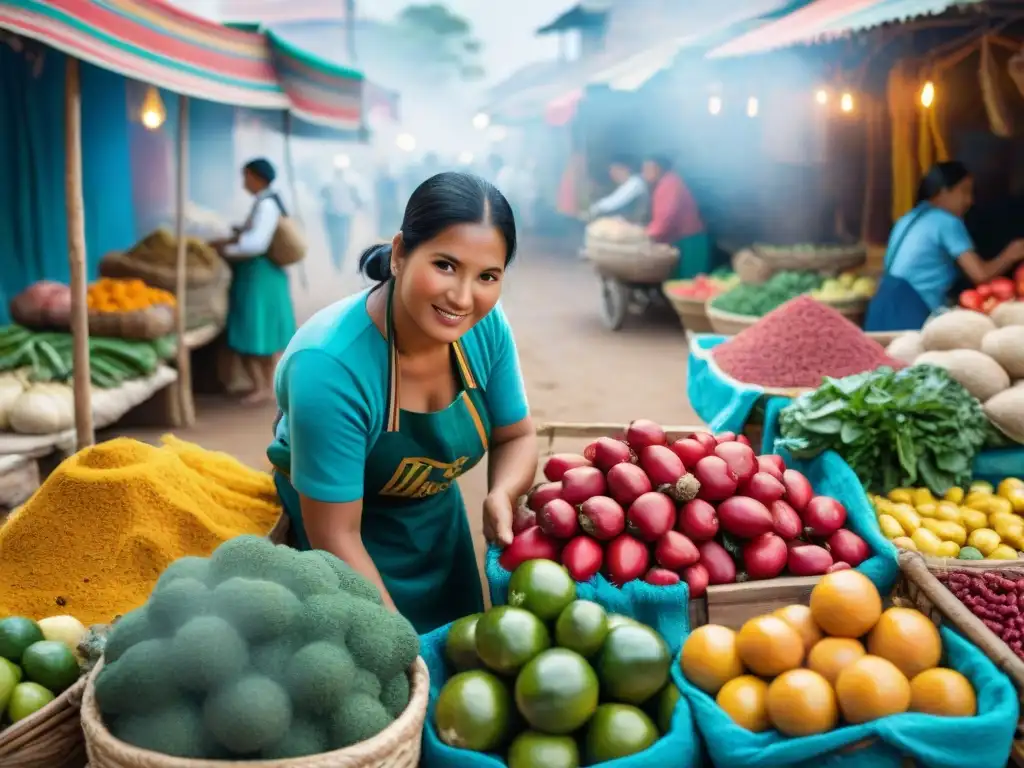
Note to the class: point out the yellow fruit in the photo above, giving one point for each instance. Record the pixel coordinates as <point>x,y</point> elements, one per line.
<point>956,495</point>
<point>905,542</point>
<point>709,658</point>
<point>1003,552</point>
<point>926,510</point>
<point>901,495</point>
<point>949,549</point>
<point>832,655</point>
<point>922,496</point>
<point>972,519</point>
<point>943,692</point>
<point>769,646</point>
<point>845,604</point>
<point>926,541</point>
<point>1008,485</point>
<point>1003,518</point>
<point>890,527</point>
<point>872,688</point>
<point>802,703</point>
<point>908,519</point>
<point>882,505</point>
<point>947,510</point>
<point>1016,498</point>
<point>745,700</point>
<point>1007,528</point>
<point>998,505</point>
<point>946,531</point>
<point>908,639</point>
<point>799,618</point>
<point>985,540</point>
<point>977,500</point>
<point>982,485</point>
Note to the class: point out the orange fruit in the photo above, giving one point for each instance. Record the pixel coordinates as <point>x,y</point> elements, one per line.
<point>845,604</point>
<point>832,655</point>
<point>710,659</point>
<point>744,699</point>
<point>908,639</point>
<point>799,618</point>
<point>872,688</point>
<point>769,646</point>
<point>802,703</point>
<point>943,692</point>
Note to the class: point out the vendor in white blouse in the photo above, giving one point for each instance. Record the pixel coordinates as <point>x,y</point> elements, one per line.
<point>261,319</point>
<point>630,199</point>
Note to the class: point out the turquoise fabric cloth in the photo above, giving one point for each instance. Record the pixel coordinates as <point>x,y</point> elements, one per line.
<point>261,319</point>
<point>694,256</point>
<point>723,403</point>
<point>679,748</point>
<point>983,741</point>
<point>998,465</point>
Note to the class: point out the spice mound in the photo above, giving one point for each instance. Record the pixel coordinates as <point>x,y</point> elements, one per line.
<point>797,345</point>
<point>92,541</point>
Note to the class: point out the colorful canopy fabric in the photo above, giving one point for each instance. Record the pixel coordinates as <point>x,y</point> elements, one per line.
<point>152,41</point>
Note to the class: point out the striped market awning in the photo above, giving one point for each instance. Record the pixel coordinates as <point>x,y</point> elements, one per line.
<point>154,42</point>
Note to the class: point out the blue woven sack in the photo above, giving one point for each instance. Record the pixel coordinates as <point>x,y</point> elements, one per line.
<point>983,741</point>
<point>722,403</point>
<point>679,748</point>
<point>666,609</point>
<point>996,465</point>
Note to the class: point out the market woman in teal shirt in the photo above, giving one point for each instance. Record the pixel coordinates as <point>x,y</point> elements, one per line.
<point>387,397</point>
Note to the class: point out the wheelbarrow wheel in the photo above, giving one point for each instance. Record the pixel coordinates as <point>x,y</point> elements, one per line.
<point>614,302</point>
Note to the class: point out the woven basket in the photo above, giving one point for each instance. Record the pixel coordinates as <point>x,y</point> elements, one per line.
<point>50,738</point>
<point>633,262</point>
<point>728,323</point>
<point>826,260</point>
<point>397,746</point>
<point>692,312</point>
<point>854,310</point>
<point>145,324</point>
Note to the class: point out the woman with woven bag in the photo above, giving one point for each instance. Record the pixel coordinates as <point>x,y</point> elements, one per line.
<point>261,319</point>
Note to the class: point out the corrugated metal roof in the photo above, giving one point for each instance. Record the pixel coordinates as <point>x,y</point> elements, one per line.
<point>888,11</point>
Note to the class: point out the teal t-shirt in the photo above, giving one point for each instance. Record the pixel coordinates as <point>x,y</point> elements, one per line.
<point>928,240</point>
<point>331,388</point>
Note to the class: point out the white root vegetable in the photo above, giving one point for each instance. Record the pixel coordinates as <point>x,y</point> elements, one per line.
<point>43,409</point>
<point>1006,412</point>
<point>906,347</point>
<point>1008,313</point>
<point>1006,347</point>
<point>11,388</point>
<point>978,373</point>
<point>956,329</point>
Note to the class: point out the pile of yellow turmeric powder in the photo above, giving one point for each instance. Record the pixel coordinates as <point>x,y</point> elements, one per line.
<point>95,537</point>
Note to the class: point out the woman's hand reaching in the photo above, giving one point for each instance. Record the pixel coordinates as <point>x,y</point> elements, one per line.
<point>498,518</point>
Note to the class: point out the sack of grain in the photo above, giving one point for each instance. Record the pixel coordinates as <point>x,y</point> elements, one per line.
<point>906,347</point>
<point>1008,313</point>
<point>978,373</point>
<point>956,329</point>
<point>1006,347</point>
<point>1006,412</point>
<point>751,268</point>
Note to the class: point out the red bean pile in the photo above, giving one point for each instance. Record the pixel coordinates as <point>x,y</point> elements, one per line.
<point>994,598</point>
<point>798,344</point>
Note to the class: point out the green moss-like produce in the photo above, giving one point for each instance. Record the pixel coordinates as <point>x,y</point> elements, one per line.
<point>208,652</point>
<point>249,715</point>
<point>259,609</point>
<point>131,629</point>
<point>175,729</point>
<point>197,568</point>
<point>319,675</point>
<point>395,694</point>
<point>360,717</point>
<point>305,737</point>
<point>140,681</point>
<point>176,603</point>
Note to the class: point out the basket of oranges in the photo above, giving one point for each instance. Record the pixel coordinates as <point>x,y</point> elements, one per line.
<point>129,309</point>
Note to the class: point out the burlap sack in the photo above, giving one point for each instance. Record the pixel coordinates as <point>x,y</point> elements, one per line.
<point>289,244</point>
<point>143,324</point>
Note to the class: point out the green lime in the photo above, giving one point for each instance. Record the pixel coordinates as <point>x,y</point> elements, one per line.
<point>51,664</point>
<point>507,638</point>
<point>543,587</point>
<point>474,711</point>
<point>582,627</point>
<point>8,681</point>
<point>618,620</point>
<point>13,667</point>
<point>667,701</point>
<point>460,646</point>
<point>27,699</point>
<point>16,634</point>
<point>617,730</point>
<point>557,692</point>
<point>539,750</point>
<point>634,664</point>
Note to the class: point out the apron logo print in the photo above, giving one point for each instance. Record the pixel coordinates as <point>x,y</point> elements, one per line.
<point>418,478</point>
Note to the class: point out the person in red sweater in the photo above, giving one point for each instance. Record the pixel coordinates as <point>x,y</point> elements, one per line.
<point>675,218</point>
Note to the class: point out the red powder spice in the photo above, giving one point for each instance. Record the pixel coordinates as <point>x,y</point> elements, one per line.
<point>798,344</point>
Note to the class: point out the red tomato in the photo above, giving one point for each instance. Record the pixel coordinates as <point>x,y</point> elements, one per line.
<point>1018,275</point>
<point>989,304</point>
<point>971,300</point>
<point>1003,288</point>
<point>985,290</point>
<point>1020,288</point>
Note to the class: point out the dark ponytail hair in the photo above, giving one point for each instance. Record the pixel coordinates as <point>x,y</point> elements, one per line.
<point>442,201</point>
<point>941,176</point>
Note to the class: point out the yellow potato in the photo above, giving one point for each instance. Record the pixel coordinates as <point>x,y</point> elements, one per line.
<point>985,540</point>
<point>905,515</point>
<point>947,510</point>
<point>922,496</point>
<point>891,528</point>
<point>1003,518</point>
<point>977,500</point>
<point>972,519</point>
<point>982,485</point>
<point>997,505</point>
<point>926,510</point>
<point>1016,498</point>
<point>927,542</point>
<point>883,505</point>
<point>1009,484</point>
<point>1003,552</point>
<point>949,549</point>
<point>1008,530</point>
<point>946,530</point>
<point>904,542</point>
<point>901,495</point>
<point>956,495</point>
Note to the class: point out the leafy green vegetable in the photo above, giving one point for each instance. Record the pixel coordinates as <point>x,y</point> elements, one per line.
<point>895,429</point>
<point>759,300</point>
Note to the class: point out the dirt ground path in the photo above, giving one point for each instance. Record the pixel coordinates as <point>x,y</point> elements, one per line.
<point>575,369</point>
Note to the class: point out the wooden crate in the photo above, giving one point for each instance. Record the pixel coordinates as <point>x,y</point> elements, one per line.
<point>732,604</point>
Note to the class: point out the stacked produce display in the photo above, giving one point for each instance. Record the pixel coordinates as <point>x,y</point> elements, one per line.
<point>704,509</point>
<point>987,297</point>
<point>995,597</point>
<point>703,287</point>
<point>549,680</point>
<point>849,286</point>
<point>757,300</point>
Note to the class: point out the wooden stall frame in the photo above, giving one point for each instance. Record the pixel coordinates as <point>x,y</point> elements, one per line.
<point>186,404</point>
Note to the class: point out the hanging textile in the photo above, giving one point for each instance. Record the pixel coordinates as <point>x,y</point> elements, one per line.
<point>903,116</point>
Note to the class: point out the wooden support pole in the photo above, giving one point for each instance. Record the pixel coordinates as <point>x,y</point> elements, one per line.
<point>186,405</point>
<point>75,204</point>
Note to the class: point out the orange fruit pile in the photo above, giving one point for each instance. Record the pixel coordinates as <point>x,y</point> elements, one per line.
<point>114,295</point>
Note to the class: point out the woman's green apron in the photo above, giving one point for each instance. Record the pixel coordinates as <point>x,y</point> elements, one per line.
<point>414,519</point>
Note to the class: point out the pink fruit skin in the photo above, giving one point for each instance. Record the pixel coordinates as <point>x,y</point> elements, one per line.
<point>524,517</point>
<point>741,459</point>
<point>785,521</point>
<point>643,432</point>
<point>743,440</point>
<point>725,437</point>
<point>626,559</point>
<point>765,557</point>
<point>531,544</point>
<point>840,566</point>
<point>660,577</point>
<point>771,463</point>
<point>689,450</point>
<point>717,562</point>
<point>542,493</point>
<point>717,481</point>
<point>764,487</point>
<point>602,517</point>
<point>662,466</point>
<point>745,517</point>
<point>650,516</point>
<point>707,440</point>
<point>583,558</point>
<point>798,490</point>
<point>627,483</point>
<point>824,515</point>
<point>675,551</point>
<point>809,560</point>
<point>581,483</point>
<point>608,452</point>
<point>561,463</point>
<point>696,576</point>
<point>557,519</point>
<point>846,546</point>
<point>698,520</point>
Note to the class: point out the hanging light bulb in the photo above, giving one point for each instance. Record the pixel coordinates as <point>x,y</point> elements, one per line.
<point>821,96</point>
<point>928,94</point>
<point>846,102</point>
<point>153,112</point>
<point>715,105</point>
<point>752,106</point>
